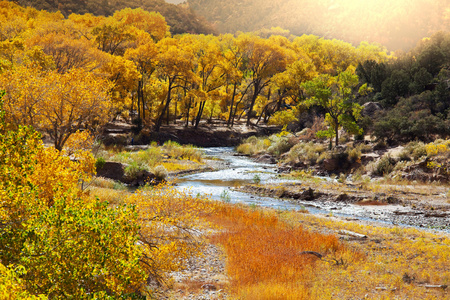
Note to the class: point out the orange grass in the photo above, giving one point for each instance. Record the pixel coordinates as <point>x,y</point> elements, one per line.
<point>264,255</point>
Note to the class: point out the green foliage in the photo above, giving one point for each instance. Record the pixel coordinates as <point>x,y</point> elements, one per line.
<point>409,120</point>
<point>70,244</point>
<point>134,169</point>
<point>336,96</point>
<point>99,163</point>
<point>225,196</point>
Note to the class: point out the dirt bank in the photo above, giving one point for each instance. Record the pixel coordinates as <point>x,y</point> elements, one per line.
<point>208,134</point>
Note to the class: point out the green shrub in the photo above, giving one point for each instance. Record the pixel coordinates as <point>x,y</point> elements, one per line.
<point>385,165</point>
<point>99,163</point>
<point>134,169</point>
<point>257,179</point>
<point>416,149</point>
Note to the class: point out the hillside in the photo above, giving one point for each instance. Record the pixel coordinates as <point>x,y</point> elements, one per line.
<point>394,24</point>
<point>179,18</point>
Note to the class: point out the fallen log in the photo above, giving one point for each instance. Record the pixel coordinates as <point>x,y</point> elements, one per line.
<point>434,286</point>
<point>353,234</point>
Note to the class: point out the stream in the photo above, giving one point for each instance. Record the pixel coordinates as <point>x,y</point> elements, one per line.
<point>241,170</point>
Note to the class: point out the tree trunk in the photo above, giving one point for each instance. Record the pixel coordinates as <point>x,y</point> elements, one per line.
<point>188,110</point>
<point>175,116</point>
<point>139,98</point>
<point>336,130</point>
<point>199,114</point>
<point>231,105</point>
<point>252,103</point>
<point>165,107</point>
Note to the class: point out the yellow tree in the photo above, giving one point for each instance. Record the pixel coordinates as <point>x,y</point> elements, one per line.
<point>66,42</point>
<point>119,32</point>
<point>144,57</point>
<point>233,66</point>
<point>288,86</point>
<point>209,69</point>
<point>151,22</point>
<point>175,65</point>
<point>123,75</point>
<point>263,59</point>
<point>112,36</point>
<point>58,104</point>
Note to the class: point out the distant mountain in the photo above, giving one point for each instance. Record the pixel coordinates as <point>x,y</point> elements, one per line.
<point>180,18</point>
<point>395,24</point>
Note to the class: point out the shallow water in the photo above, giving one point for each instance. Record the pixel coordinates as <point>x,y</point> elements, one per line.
<point>240,170</point>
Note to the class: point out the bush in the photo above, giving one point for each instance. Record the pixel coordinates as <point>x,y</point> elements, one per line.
<point>68,242</point>
<point>306,152</point>
<point>254,145</point>
<point>99,163</point>
<point>133,170</point>
<point>160,173</point>
<point>384,166</point>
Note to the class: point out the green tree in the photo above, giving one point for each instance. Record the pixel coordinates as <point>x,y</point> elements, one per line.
<point>336,96</point>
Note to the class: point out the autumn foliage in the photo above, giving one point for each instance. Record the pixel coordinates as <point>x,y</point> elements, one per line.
<point>67,74</point>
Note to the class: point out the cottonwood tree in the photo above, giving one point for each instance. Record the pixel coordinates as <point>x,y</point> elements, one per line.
<point>59,104</point>
<point>210,71</point>
<point>263,59</point>
<point>175,65</point>
<point>336,95</point>
<point>233,66</point>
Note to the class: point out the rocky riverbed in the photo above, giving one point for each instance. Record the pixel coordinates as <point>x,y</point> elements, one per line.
<point>420,206</point>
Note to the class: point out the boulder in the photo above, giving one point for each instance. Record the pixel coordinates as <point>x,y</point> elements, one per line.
<point>266,159</point>
<point>116,171</point>
<point>111,170</point>
<point>370,108</point>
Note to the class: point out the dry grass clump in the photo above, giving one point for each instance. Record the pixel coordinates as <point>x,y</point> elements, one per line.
<point>266,258</point>
<point>306,152</point>
<point>186,152</point>
<point>276,144</point>
<point>160,172</point>
<point>106,183</point>
<point>171,156</point>
<point>112,196</point>
<point>149,157</point>
<point>254,145</point>
<point>413,151</point>
<point>281,143</point>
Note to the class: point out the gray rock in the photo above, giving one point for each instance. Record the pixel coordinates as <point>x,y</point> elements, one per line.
<point>370,108</point>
